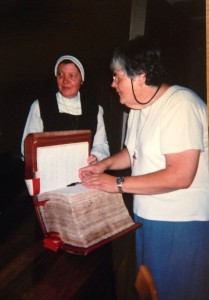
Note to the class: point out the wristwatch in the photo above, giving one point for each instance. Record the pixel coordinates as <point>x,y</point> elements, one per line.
<point>119,182</point>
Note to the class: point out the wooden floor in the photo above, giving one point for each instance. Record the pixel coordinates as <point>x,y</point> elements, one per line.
<point>29,271</point>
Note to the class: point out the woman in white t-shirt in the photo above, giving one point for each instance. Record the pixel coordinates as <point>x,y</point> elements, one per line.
<point>166,147</point>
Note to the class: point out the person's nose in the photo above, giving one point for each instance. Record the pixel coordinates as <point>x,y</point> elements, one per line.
<point>65,79</point>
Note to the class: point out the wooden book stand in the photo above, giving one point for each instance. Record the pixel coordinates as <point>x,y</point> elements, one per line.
<point>73,218</point>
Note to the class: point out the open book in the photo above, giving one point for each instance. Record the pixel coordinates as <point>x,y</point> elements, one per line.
<point>53,159</point>
<point>73,218</point>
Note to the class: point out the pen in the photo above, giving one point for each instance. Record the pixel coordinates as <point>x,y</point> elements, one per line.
<point>74,183</point>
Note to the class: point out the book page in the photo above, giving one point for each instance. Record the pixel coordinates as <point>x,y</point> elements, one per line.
<point>58,165</point>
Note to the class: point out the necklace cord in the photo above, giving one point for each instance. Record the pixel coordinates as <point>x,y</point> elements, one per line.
<point>149,99</point>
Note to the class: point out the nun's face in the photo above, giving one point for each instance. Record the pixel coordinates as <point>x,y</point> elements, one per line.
<point>69,79</point>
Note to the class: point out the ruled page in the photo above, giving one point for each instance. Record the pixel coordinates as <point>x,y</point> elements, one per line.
<point>58,165</point>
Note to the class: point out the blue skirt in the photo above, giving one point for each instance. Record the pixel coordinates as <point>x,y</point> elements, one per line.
<point>177,254</point>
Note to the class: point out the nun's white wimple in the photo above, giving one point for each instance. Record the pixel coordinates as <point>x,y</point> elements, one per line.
<point>74,60</point>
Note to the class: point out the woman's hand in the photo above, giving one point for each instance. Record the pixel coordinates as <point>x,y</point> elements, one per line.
<point>96,168</point>
<point>103,182</point>
<point>92,159</point>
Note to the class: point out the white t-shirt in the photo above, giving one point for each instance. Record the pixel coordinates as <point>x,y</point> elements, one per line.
<point>174,123</point>
<point>34,123</point>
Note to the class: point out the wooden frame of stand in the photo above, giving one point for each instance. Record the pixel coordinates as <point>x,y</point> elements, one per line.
<point>32,142</point>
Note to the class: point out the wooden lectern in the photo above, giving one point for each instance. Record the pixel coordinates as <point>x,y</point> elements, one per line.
<point>72,217</point>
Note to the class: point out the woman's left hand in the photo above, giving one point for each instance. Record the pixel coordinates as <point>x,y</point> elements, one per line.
<point>104,182</point>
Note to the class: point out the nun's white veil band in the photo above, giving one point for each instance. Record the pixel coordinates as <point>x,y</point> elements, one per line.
<point>74,60</point>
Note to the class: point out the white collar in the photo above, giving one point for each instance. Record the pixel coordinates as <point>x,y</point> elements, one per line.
<point>69,105</point>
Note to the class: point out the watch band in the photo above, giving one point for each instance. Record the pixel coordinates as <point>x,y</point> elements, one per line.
<point>119,182</point>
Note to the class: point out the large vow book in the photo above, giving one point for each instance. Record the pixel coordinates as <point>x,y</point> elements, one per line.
<point>72,217</point>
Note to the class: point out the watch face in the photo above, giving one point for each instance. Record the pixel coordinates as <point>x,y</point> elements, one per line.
<point>120,180</point>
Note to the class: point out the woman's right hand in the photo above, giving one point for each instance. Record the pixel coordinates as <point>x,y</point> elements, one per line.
<point>96,168</point>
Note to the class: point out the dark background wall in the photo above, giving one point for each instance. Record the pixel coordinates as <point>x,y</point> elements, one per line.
<point>34,34</point>
<point>181,30</point>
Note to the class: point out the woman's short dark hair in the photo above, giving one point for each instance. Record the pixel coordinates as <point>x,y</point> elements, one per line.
<point>138,56</point>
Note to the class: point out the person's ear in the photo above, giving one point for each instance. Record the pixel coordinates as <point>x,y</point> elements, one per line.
<point>140,79</point>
